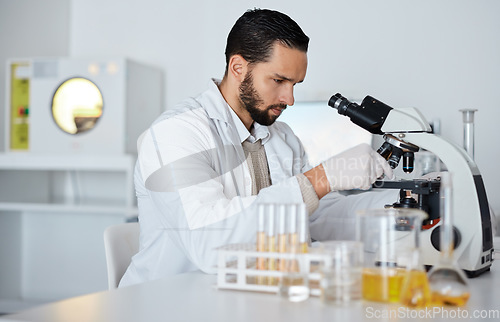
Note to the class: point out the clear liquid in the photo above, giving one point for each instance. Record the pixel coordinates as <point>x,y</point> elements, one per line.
<point>294,287</point>
<point>341,287</point>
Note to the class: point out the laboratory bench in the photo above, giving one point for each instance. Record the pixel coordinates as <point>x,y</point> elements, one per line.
<point>195,297</point>
<point>55,206</point>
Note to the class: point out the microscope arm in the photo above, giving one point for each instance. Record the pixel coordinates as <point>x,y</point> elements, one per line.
<point>409,125</point>
<point>405,120</point>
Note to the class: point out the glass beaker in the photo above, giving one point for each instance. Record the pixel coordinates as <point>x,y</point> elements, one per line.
<point>390,240</point>
<point>340,281</point>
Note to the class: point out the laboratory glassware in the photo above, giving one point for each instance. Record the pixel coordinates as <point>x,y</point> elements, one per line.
<point>294,283</point>
<point>340,281</point>
<point>448,282</point>
<point>390,237</point>
<point>468,119</point>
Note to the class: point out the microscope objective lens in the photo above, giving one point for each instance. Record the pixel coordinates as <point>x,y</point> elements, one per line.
<point>408,160</point>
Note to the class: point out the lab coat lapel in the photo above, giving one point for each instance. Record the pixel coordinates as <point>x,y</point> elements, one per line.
<point>227,140</point>
<point>279,156</point>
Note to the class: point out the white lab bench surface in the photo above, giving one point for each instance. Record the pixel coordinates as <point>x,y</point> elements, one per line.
<point>194,297</point>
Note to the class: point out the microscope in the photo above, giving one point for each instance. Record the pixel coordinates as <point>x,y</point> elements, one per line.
<point>405,132</point>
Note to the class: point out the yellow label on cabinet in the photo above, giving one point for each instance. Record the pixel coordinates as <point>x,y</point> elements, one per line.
<point>19,108</point>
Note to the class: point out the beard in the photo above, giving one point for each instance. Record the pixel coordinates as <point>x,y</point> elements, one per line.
<point>251,100</point>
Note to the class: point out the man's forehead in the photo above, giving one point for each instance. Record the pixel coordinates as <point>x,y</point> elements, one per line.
<point>287,63</point>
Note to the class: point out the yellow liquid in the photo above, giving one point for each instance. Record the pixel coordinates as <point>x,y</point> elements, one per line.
<point>261,261</point>
<point>439,299</point>
<point>272,264</point>
<point>416,291</point>
<point>290,280</point>
<point>282,249</point>
<point>261,247</point>
<point>382,284</point>
<point>304,248</point>
<point>293,241</point>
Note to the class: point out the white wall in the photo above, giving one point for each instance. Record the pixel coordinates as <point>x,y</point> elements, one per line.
<point>438,56</point>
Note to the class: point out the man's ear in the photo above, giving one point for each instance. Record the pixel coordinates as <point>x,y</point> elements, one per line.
<point>237,67</point>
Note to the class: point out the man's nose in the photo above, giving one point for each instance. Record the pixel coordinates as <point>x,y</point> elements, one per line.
<point>286,96</point>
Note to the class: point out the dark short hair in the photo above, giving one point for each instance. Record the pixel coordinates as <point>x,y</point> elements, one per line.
<point>255,32</point>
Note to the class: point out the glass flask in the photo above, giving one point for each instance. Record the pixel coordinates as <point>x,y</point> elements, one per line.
<point>415,291</point>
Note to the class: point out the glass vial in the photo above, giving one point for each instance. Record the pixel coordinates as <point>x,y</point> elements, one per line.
<point>468,119</point>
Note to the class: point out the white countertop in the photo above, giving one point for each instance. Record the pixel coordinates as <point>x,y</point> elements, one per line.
<point>194,297</point>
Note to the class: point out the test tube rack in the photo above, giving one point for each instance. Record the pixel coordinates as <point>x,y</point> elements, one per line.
<point>237,269</point>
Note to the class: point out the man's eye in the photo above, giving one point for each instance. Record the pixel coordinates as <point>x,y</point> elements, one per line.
<point>278,81</point>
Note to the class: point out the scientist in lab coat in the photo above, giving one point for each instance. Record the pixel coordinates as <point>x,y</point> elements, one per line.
<point>204,166</point>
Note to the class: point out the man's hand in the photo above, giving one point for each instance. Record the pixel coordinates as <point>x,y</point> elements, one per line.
<point>356,168</point>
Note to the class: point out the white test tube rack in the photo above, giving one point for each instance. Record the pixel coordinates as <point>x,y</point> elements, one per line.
<point>236,268</point>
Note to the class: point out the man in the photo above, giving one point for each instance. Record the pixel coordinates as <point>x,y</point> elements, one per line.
<point>204,166</point>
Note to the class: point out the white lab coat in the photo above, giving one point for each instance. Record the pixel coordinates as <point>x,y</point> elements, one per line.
<point>194,188</point>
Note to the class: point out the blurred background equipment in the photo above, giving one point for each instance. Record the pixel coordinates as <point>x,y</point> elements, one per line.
<point>73,105</point>
<point>71,127</point>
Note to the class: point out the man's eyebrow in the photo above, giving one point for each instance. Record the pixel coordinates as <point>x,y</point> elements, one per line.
<point>286,78</point>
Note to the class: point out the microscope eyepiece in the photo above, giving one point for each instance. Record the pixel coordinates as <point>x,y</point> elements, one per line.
<point>340,103</point>
<point>370,115</point>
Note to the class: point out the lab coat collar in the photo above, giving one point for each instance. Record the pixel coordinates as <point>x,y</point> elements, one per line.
<point>260,132</point>
<point>222,111</point>
<point>240,127</point>
<point>216,109</point>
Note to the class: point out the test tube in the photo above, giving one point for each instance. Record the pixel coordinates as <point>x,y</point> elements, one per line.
<point>293,239</point>
<point>282,236</point>
<point>294,283</point>
<point>468,119</point>
<point>261,241</point>
<point>271,242</point>
<point>303,229</point>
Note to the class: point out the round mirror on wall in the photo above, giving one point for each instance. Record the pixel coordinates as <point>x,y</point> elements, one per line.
<point>77,105</point>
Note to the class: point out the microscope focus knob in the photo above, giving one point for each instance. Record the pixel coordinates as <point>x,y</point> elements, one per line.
<point>435,239</point>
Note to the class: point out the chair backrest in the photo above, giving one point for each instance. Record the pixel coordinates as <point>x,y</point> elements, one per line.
<point>121,242</point>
